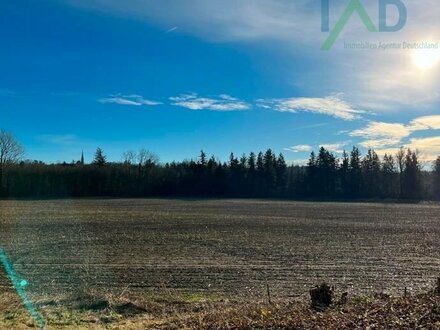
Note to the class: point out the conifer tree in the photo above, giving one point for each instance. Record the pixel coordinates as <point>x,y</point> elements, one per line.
<point>100,159</point>
<point>355,172</point>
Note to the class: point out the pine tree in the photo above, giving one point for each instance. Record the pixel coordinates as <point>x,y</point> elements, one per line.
<point>371,172</point>
<point>251,162</point>
<point>202,158</point>
<point>412,185</point>
<point>259,176</point>
<point>269,170</point>
<point>355,172</point>
<point>212,164</point>
<point>100,159</point>
<point>260,163</point>
<point>233,162</point>
<point>326,166</point>
<point>389,177</point>
<point>312,171</point>
<point>243,162</point>
<point>281,173</point>
<point>344,174</point>
<point>251,174</point>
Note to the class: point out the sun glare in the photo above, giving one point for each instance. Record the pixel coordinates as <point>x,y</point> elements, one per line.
<point>426,59</point>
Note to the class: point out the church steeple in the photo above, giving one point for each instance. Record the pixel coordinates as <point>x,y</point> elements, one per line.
<point>82,157</point>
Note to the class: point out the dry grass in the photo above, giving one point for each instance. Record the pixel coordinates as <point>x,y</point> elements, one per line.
<point>421,312</point>
<point>375,312</point>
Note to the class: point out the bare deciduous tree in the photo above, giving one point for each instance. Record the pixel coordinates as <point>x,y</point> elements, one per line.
<point>147,158</point>
<point>129,157</point>
<point>11,151</point>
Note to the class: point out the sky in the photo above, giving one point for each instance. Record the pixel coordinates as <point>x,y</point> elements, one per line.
<point>179,76</point>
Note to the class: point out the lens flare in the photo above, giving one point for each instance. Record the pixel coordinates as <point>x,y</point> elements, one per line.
<point>425,59</point>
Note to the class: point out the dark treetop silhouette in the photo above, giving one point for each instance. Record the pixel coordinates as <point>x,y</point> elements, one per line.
<point>262,175</point>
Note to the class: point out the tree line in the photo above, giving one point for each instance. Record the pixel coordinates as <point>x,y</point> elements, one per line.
<point>253,175</point>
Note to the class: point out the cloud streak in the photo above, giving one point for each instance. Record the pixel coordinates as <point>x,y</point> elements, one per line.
<point>299,148</point>
<point>172,29</point>
<point>131,100</point>
<point>335,147</point>
<point>223,102</point>
<point>333,106</point>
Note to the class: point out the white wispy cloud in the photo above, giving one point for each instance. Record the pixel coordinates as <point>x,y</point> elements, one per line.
<point>332,105</point>
<point>428,148</point>
<point>335,147</point>
<point>379,134</point>
<point>424,123</point>
<point>384,135</point>
<point>223,102</point>
<point>298,162</point>
<point>299,148</point>
<point>133,100</point>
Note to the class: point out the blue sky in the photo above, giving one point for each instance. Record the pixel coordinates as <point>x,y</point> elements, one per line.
<point>179,76</point>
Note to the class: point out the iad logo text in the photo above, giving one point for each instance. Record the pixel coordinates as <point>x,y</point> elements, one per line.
<point>356,6</point>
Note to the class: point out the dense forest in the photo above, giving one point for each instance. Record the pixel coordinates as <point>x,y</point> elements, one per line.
<point>256,175</point>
